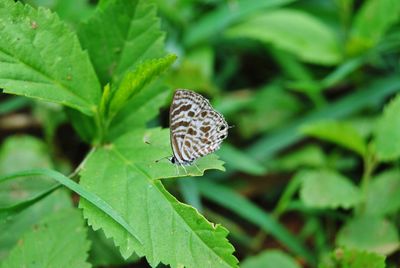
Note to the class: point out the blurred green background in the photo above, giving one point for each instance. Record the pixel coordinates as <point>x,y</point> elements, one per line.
<point>312,174</point>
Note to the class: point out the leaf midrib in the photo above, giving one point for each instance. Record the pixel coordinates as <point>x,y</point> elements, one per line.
<point>137,168</point>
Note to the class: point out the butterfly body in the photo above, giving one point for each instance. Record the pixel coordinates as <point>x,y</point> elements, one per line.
<point>196,129</point>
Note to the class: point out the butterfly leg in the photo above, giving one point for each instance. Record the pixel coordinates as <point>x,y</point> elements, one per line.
<point>184,169</point>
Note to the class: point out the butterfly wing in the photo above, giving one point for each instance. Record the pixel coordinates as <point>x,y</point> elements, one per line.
<point>208,129</point>
<point>185,105</point>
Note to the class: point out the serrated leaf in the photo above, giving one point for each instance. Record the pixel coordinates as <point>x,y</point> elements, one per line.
<point>270,259</point>
<point>369,233</point>
<point>384,193</point>
<point>139,110</point>
<point>294,31</point>
<point>352,258</point>
<point>388,131</point>
<point>371,22</point>
<point>134,81</point>
<point>327,189</point>
<point>124,174</point>
<point>341,133</point>
<point>59,240</point>
<point>40,57</point>
<point>117,45</point>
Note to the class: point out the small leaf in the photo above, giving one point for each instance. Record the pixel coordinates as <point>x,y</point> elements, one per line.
<point>40,57</point>
<point>352,258</point>
<point>124,174</point>
<point>341,133</point>
<point>134,81</point>
<point>369,233</point>
<point>370,23</point>
<point>327,189</point>
<point>59,240</point>
<point>270,259</point>
<point>388,131</point>
<point>139,110</point>
<point>294,31</point>
<point>115,46</point>
<point>384,194</point>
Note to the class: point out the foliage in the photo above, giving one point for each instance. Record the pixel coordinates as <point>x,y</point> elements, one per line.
<point>310,91</point>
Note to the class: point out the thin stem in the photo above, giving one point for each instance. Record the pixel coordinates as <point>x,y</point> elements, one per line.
<point>369,167</point>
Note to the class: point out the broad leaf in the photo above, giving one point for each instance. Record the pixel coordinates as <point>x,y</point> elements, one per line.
<point>117,45</point>
<point>13,225</point>
<point>59,240</point>
<point>294,31</point>
<point>327,189</point>
<point>371,22</point>
<point>346,258</point>
<point>40,57</point>
<point>384,194</point>
<point>124,174</point>
<point>270,259</point>
<point>388,132</point>
<point>369,233</point>
<point>341,133</point>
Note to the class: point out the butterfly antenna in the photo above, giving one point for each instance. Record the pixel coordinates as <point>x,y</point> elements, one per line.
<point>165,157</point>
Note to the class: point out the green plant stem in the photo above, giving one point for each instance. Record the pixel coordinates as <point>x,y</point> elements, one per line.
<point>101,128</point>
<point>369,167</point>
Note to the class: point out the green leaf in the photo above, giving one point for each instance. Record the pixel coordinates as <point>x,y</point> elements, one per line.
<point>234,157</point>
<point>369,94</point>
<point>370,23</point>
<point>139,110</point>
<point>134,81</point>
<point>124,174</point>
<point>115,46</point>
<point>369,233</point>
<point>341,133</point>
<point>40,57</point>
<point>213,23</point>
<point>352,258</point>
<point>387,131</point>
<point>310,156</point>
<point>57,241</point>
<point>104,253</point>
<point>270,259</point>
<point>13,225</point>
<point>384,194</point>
<point>18,153</point>
<point>327,189</point>
<point>72,11</point>
<point>231,200</point>
<point>294,31</point>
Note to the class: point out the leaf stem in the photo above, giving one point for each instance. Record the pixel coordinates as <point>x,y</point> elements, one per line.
<point>369,167</point>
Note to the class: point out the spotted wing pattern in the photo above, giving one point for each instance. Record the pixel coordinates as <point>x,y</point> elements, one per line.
<point>196,128</point>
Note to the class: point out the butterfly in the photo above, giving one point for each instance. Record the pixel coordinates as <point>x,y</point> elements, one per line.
<point>196,129</point>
